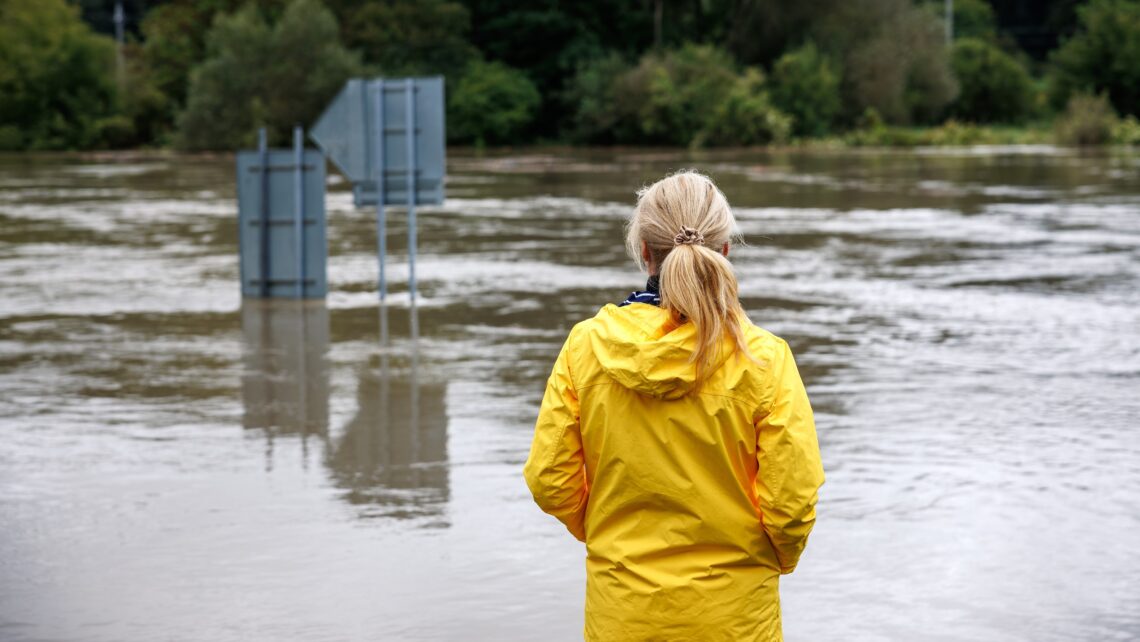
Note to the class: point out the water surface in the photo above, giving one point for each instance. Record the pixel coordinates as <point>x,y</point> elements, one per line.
<point>176,465</point>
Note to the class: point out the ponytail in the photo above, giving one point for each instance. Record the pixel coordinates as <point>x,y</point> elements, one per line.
<point>698,286</point>
<point>685,221</point>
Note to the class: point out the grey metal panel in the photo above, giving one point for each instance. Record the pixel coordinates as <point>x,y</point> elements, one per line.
<point>282,263</point>
<point>342,131</point>
<point>347,128</point>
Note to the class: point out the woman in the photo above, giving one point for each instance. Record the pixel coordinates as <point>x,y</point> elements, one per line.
<point>676,440</point>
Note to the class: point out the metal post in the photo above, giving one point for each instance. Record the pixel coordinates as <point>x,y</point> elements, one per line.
<point>381,223</point>
<point>119,19</point>
<point>414,399</point>
<point>302,383</point>
<point>299,207</point>
<point>410,136</point>
<point>949,22</point>
<point>263,176</point>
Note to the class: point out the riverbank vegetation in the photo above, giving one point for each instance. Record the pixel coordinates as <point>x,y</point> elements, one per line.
<point>205,74</point>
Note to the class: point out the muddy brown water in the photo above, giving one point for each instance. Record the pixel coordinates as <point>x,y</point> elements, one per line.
<point>176,465</point>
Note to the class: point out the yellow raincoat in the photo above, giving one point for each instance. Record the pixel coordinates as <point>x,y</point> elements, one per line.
<point>691,500</point>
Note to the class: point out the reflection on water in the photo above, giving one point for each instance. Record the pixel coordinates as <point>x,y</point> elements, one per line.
<point>391,458</point>
<point>285,385</point>
<point>179,465</point>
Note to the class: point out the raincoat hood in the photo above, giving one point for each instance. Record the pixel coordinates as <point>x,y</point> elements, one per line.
<point>644,349</point>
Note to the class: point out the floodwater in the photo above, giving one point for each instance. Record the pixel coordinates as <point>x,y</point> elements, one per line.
<point>178,465</point>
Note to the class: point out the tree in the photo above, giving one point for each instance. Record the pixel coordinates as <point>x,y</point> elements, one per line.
<point>893,52</point>
<point>894,58</point>
<point>492,103</point>
<point>56,77</point>
<point>174,39</point>
<point>595,118</point>
<point>409,37</point>
<point>1036,25</point>
<point>805,84</point>
<point>761,30</point>
<point>974,19</point>
<point>1102,56</point>
<point>994,86</point>
<point>261,74</point>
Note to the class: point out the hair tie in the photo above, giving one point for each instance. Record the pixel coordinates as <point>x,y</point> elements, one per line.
<point>688,236</point>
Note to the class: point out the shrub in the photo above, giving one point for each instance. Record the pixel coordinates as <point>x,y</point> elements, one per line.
<point>1127,131</point>
<point>953,132</point>
<point>1102,56</point>
<point>805,85</point>
<point>56,76</point>
<point>671,95</point>
<point>746,116</point>
<point>257,74</point>
<point>115,132</point>
<point>692,95</point>
<point>1088,120</point>
<point>492,103</point>
<point>994,87</point>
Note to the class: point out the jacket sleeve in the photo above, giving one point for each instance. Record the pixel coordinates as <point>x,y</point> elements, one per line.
<point>789,468</point>
<point>555,471</point>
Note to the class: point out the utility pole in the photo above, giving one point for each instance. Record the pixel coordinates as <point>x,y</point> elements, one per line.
<point>949,22</point>
<point>120,66</point>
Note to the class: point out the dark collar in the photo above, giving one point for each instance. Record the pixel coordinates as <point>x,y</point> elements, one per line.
<point>651,295</point>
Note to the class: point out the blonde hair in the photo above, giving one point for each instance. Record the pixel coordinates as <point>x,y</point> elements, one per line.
<point>685,221</point>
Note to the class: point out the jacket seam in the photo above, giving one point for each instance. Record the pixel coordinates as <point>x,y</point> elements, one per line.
<point>744,402</point>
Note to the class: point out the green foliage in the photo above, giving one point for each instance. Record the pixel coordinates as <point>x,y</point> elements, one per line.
<point>583,71</point>
<point>974,19</point>
<point>1127,131</point>
<point>761,30</point>
<point>894,58</point>
<point>805,85</point>
<point>673,94</point>
<point>492,103</point>
<point>994,87</point>
<point>592,91</point>
<point>547,40</point>
<point>410,37</point>
<point>1103,55</point>
<point>1088,120</point>
<point>174,42</point>
<point>951,132</point>
<point>692,95</point>
<point>746,116</point>
<point>257,74</point>
<point>56,77</point>
<point>143,104</point>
